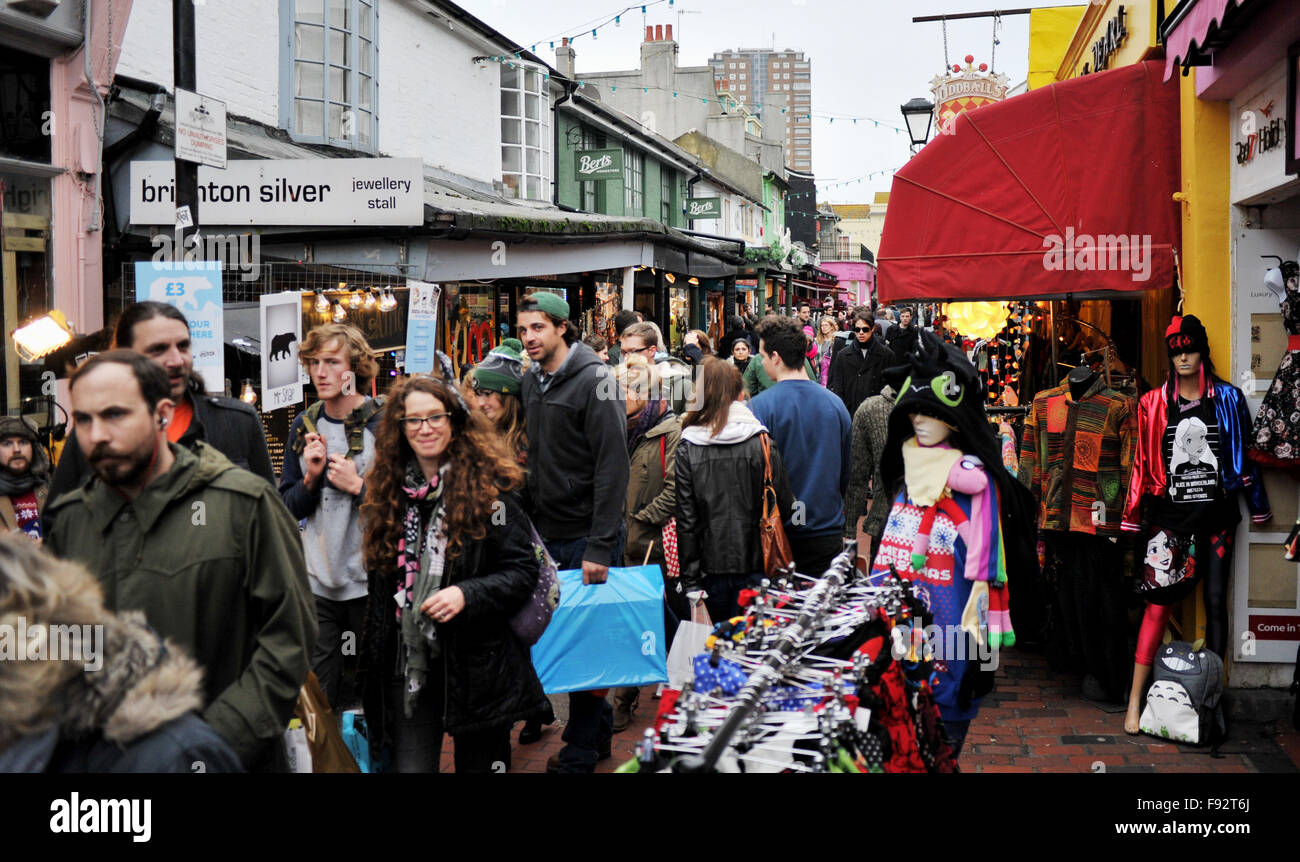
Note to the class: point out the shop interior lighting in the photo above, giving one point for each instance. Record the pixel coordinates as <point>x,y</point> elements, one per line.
<point>43,335</point>
<point>340,313</point>
<point>692,280</point>
<point>248,394</point>
<point>672,279</point>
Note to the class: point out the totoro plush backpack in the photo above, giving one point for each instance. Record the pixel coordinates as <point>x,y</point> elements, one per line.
<point>1183,703</point>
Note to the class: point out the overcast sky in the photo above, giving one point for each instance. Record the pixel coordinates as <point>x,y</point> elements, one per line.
<point>868,58</point>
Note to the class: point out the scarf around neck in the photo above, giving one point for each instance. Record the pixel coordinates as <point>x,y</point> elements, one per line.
<point>926,469</point>
<point>639,423</point>
<point>16,486</point>
<point>423,518</point>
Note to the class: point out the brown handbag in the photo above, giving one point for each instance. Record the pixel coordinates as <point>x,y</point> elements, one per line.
<point>776,547</point>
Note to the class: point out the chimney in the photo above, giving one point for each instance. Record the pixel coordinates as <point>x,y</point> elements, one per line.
<point>564,58</point>
<point>649,33</point>
<point>659,32</point>
<point>669,35</point>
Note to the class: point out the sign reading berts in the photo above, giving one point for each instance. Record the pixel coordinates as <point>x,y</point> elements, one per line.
<point>287,192</point>
<point>598,164</point>
<point>703,208</point>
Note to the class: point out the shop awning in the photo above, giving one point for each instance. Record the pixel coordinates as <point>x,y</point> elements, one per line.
<point>1194,29</point>
<point>1081,165</point>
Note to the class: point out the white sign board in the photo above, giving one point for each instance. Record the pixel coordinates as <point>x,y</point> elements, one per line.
<point>287,192</point>
<point>421,326</point>
<point>193,287</point>
<point>200,129</point>
<point>281,326</point>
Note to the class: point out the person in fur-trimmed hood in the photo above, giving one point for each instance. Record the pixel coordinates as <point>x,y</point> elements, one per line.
<point>127,701</point>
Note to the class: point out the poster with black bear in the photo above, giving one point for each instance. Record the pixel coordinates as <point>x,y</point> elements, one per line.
<point>281,318</point>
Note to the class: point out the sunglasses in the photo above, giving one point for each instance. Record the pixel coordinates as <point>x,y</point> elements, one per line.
<point>862,329</point>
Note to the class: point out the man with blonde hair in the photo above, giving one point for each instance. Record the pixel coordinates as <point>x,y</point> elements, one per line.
<point>331,447</point>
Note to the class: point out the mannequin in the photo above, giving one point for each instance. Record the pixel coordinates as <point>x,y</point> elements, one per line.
<point>1189,468</point>
<point>945,527</point>
<point>1275,438</point>
<point>1075,457</point>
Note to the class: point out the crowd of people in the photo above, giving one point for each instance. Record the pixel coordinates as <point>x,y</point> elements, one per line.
<point>405,529</point>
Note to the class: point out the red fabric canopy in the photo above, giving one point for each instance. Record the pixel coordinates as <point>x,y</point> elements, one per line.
<point>1030,197</point>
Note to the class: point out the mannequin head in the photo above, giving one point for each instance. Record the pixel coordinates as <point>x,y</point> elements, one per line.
<point>1186,364</point>
<point>929,431</point>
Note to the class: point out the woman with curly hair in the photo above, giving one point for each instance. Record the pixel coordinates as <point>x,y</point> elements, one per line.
<point>450,560</point>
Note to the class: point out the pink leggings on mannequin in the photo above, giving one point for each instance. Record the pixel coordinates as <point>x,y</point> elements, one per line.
<point>1152,632</point>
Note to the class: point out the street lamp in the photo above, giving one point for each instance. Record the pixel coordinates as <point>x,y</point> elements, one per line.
<point>918,113</point>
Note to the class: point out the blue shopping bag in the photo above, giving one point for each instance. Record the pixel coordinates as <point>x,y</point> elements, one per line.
<point>605,635</point>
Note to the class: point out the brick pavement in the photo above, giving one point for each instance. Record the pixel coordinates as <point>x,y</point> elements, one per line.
<point>1036,721</point>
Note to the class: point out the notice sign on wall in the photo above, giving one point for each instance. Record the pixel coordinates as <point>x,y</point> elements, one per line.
<point>287,192</point>
<point>200,129</point>
<point>421,325</point>
<point>698,209</point>
<point>281,330</point>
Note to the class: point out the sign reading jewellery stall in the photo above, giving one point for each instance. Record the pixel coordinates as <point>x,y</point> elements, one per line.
<point>698,209</point>
<point>287,192</point>
<point>598,164</point>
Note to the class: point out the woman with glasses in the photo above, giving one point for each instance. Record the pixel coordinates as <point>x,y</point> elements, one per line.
<point>450,559</point>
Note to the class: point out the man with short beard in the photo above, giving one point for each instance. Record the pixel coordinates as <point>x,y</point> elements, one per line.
<point>206,550</point>
<point>24,476</point>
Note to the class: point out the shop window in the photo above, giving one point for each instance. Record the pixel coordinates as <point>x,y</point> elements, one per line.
<point>25,118</point>
<point>633,183</point>
<point>666,182</point>
<point>525,143</point>
<point>329,90</point>
<point>25,274</point>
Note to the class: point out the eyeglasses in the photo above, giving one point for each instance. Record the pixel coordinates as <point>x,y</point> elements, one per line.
<point>862,329</point>
<point>435,420</point>
<point>640,349</point>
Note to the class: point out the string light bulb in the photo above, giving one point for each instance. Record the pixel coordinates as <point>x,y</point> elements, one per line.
<point>371,300</point>
<point>340,313</point>
<point>248,394</point>
<point>355,300</point>
<point>322,302</point>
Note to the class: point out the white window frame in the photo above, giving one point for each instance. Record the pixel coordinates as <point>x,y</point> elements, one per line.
<point>357,127</point>
<point>525,182</point>
<point>633,182</point>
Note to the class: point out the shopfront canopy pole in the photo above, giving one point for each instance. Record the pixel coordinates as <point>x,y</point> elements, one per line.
<point>1051,326</point>
<point>184,77</point>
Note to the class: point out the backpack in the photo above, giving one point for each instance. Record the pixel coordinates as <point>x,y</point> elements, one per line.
<point>1183,703</point>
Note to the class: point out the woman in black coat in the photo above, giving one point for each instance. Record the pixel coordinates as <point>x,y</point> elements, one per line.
<point>451,559</point>
<point>720,469</point>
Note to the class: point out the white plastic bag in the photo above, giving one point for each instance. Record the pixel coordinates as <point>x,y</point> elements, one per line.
<point>296,747</point>
<point>689,642</point>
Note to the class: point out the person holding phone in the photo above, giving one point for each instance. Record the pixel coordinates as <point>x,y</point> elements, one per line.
<point>331,446</point>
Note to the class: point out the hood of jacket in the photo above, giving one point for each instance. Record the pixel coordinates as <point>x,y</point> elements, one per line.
<point>580,358</point>
<point>741,425</point>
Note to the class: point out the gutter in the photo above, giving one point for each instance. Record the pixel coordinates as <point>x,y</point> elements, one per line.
<point>570,87</point>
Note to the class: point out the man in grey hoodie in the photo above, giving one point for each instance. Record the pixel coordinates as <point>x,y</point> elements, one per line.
<point>331,448</point>
<point>577,481</point>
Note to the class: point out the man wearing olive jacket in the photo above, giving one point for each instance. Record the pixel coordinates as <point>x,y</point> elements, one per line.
<point>205,550</point>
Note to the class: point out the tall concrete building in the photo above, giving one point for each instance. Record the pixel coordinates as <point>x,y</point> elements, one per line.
<point>756,76</point>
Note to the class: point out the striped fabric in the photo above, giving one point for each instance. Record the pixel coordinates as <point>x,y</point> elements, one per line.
<point>1077,454</point>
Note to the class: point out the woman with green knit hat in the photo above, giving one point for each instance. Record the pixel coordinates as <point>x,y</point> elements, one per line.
<point>497,382</point>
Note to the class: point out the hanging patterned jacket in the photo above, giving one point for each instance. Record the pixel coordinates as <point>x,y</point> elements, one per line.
<point>1238,472</point>
<point>1076,454</point>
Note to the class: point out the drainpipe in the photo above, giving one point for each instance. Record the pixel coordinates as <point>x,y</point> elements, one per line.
<point>94,91</point>
<point>570,87</point>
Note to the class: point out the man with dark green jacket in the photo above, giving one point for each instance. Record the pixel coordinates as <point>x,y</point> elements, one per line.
<point>205,549</point>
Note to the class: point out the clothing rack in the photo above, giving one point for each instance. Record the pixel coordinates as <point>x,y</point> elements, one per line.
<point>794,637</point>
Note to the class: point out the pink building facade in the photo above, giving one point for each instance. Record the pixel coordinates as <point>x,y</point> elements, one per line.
<point>857,280</point>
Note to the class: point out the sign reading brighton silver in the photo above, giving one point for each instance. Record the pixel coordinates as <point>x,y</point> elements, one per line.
<point>698,209</point>
<point>598,164</point>
<point>287,192</point>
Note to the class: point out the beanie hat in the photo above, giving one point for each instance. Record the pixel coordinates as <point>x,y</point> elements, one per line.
<point>1187,335</point>
<point>549,303</point>
<point>502,370</point>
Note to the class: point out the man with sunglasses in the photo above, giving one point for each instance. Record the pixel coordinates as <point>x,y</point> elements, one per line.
<point>857,371</point>
<point>331,447</point>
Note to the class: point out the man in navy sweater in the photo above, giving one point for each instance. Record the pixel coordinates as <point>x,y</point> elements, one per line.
<point>813,431</point>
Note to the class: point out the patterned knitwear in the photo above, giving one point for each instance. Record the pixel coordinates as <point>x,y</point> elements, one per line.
<point>1076,454</point>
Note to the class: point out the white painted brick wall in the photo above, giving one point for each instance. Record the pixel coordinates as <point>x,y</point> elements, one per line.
<point>433,101</point>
